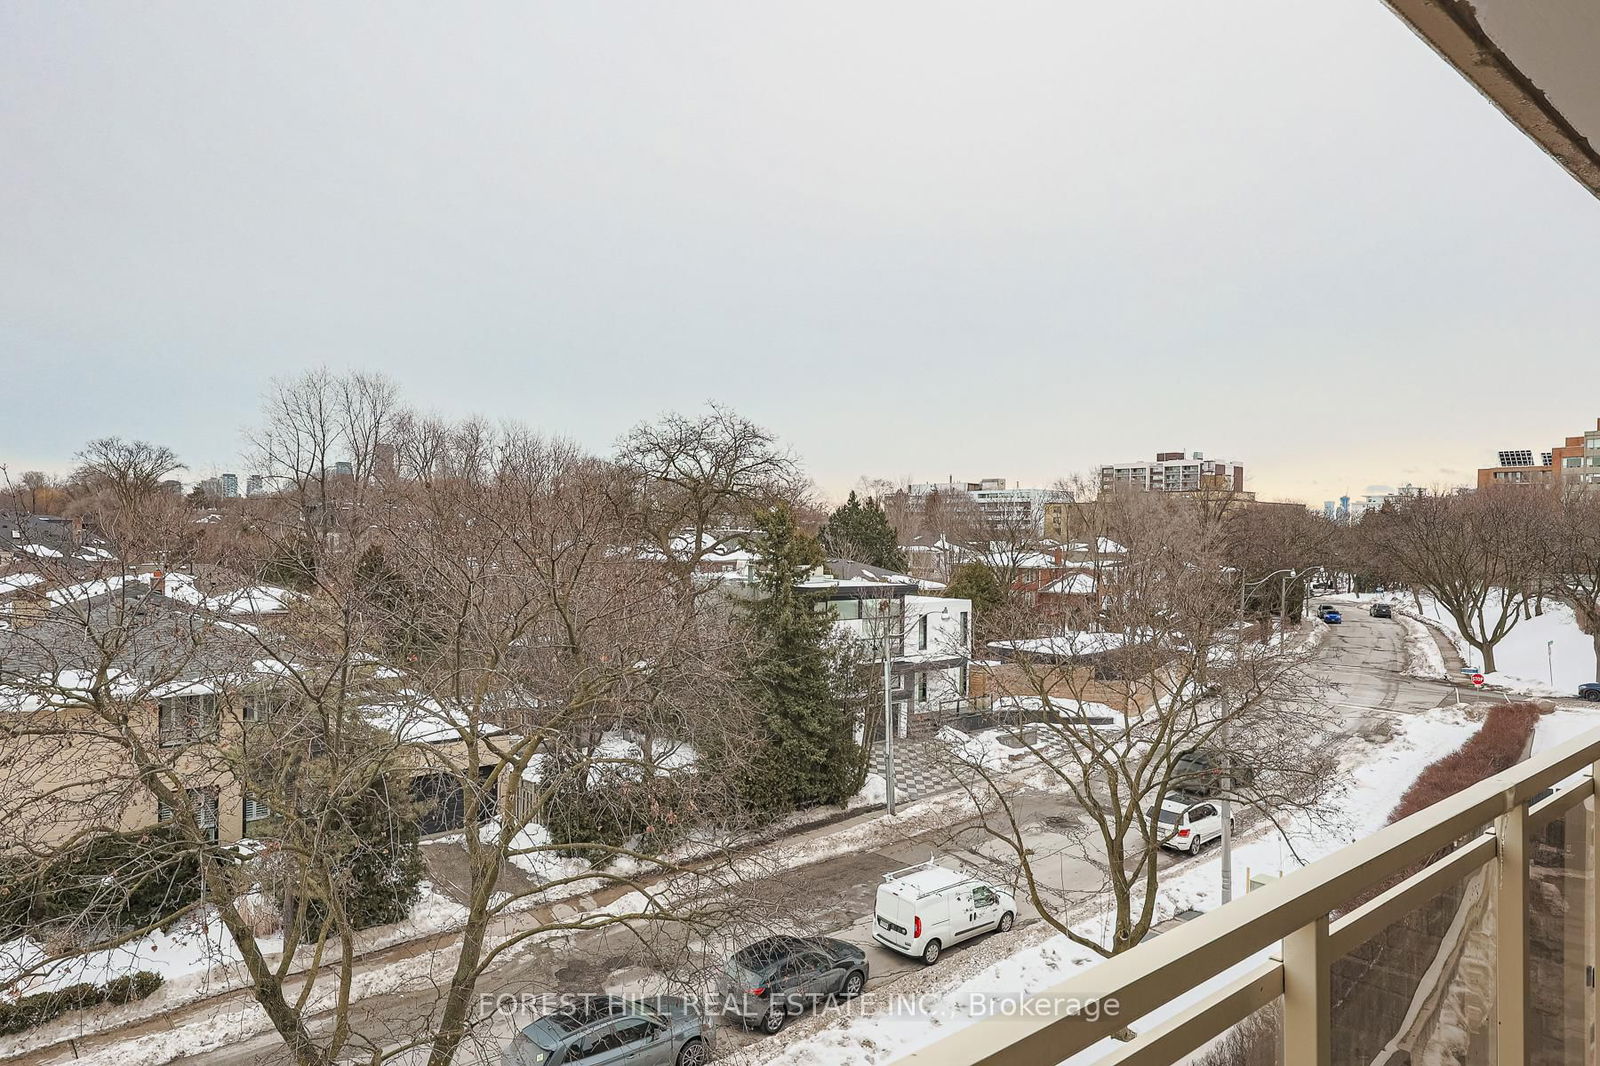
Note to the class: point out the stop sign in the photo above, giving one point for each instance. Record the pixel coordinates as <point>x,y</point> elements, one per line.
<point>1477,680</point>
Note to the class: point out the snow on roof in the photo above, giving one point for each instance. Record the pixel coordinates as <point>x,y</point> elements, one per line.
<point>1075,584</point>
<point>417,719</point>
<point>252,599</point>
<point>17,582</point>
<point>257,599</point>
<point>87,590</point>
<point>1098,715</point>
<point>1071,644</point>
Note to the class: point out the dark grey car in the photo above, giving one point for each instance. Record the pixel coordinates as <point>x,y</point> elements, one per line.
<point>773,978</point>
<point>609,1030</point>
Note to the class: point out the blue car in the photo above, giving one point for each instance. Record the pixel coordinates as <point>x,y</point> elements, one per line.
<point>1333,618</point>
<point>1590,690</point>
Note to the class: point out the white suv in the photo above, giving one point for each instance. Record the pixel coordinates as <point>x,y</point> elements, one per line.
<point>1188,824</point>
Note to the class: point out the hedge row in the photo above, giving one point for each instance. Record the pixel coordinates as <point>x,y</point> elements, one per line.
<point>1497,745</point>
<point>37,1009</point>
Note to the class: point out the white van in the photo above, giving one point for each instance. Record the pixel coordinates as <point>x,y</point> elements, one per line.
<point>924,909</point>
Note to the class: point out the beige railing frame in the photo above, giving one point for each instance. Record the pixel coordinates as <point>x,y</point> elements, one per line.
<point>1494,815</point>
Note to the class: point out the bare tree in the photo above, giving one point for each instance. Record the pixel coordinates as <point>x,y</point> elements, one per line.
<point>313,423</point>
<point>1477,554</point>
<point>492,630</point>
<point>694,480</point>
<point>118,490</point>
<point>1263,540</point>
<point>127,471</point>
<point>1573,569</point>
<point>34,492</point>
<point>1103,717</point>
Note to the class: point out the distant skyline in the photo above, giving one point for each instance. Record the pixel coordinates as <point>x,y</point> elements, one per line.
<point>916,240</point>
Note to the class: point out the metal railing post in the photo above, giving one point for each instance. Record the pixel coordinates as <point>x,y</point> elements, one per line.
<point>1591,925</point>
<point>1307,1002</point>
<point>1511,938</point>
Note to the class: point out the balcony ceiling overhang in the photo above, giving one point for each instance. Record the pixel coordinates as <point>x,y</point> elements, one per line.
<point>1538,61</point>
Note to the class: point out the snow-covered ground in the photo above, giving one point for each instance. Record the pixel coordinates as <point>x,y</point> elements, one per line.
<point>886,1026</point>
<point>1564,723</point>
<point>1523,661</point>
<point>1422,654</point>
<point>198,958</point>
<point>195,957</point>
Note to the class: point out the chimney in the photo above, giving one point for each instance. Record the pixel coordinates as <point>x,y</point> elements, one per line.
<point>27,609</point>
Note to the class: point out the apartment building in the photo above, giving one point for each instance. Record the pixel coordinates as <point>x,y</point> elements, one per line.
<point>1572,464</point>
<point>999,504</point>
<point>1576,462</point>
<point>1174,472</point>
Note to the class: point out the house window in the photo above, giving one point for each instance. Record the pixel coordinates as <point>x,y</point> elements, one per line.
<point>203,801</point>
<point>922,633</point>
<point>186,718</point>
<point>922,685</point>
<point>964,634</point>
<point>255,809</point>
<point>261,707</point>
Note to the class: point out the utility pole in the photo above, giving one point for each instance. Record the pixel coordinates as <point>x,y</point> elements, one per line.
<point>888,720</point>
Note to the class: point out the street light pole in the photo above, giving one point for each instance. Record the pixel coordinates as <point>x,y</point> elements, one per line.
<point>1225,805</point>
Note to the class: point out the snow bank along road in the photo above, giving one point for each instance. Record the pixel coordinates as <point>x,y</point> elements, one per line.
<point>1363,660</point>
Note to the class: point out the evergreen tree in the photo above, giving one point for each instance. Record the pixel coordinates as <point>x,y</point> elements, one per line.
<point>377,858</point>
<point>810,752</point>
<point>977,582</point>
<point>397,606</point>
<point>861,531</point>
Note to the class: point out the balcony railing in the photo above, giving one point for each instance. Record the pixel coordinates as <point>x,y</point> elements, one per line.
<point>1474,854</point>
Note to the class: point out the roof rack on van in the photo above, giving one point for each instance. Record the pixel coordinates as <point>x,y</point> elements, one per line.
<point>927,863</point>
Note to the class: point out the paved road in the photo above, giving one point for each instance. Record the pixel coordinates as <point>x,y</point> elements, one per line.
<point>1361,664</point>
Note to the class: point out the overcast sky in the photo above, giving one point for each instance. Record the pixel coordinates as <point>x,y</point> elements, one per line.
<point>915,239</point>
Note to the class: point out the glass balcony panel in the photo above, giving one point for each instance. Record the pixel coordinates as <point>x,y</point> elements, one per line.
<point>1422,989</point>
<point>1560,1014</point>
<point>1255,1041</point>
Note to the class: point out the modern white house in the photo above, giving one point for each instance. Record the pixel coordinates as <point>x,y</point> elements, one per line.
<point>928,639</point>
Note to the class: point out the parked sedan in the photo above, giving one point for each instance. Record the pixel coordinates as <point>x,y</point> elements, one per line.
<point>773,978</point>
<point>609,1030</point>
<point>1590,690</point>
